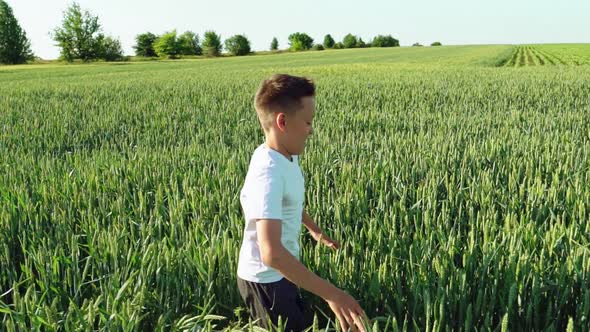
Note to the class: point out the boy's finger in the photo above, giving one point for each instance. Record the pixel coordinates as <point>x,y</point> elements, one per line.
<point>332,242</point>
<point>342,321</point>
<point>357,321</point>
<point>349,321</point>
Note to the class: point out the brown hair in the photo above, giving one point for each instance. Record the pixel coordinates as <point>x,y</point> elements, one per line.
<point>281,93</point>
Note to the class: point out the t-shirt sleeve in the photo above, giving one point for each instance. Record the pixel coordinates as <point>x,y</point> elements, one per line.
<point>266,198</point>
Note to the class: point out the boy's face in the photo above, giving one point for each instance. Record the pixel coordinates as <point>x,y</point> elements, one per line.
<point>298,126</point>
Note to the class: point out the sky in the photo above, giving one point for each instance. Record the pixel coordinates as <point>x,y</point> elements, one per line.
<point>452,22</point>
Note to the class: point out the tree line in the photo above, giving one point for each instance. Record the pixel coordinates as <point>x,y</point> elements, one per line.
<point>15,47</point>
<point>80,37</point>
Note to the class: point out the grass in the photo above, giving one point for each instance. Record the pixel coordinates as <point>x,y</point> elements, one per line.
<point>457,188</point>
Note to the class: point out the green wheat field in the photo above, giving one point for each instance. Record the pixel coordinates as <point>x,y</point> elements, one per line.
<point>456,179</point>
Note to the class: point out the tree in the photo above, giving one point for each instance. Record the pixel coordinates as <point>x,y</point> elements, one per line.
<point>144,44</point>
<point>384,41</point>
<point>338,46</point>
<point>349,41</point>
<point>328,41</point>
<point>416,44</point>
<point>211,44</point>
<point>237,45</point>
<point>360,43</point>
<point>274,44</point>
<point>317,47</point>
<point>300,41</point>
<point>111,49</point>
<point>167,45</point>
<point>188,44</point>
<point>79,36</point>
<point>436,44</point>
<point>15,47</point>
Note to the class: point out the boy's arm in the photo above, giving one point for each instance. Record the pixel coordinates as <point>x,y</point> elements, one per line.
<point>317,233</point>
<point>275,255</point>
<point>311,226</point>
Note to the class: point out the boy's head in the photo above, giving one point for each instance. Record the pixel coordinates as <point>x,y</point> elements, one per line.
<point>285,106</point>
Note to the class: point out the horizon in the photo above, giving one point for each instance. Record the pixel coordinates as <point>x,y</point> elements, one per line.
<point>453,24</point>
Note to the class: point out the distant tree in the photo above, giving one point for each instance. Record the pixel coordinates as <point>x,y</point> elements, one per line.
<point>237,45</point>
<point>167,45</point>
<point>317,47</point>
<point>360,43</point>
<point>338,46</point>
<point>416,44</point>
<point>111,49</point>
<point>328,41</point>
<point>300,41</point>
<point>211,44</point>
<point>188,44</point>
<point>436,44</point>
<point>144,44</point>
<point>274,44</point>
<point>384,41</point>
<point>15,47</point>
<point>349,41</point>
<point>79,36</point>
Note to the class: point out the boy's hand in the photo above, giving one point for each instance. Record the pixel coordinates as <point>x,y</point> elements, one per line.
<point>326,240</point>
<point>348,312</point>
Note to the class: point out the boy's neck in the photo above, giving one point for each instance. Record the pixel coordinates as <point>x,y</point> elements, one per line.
<point>278,147</point>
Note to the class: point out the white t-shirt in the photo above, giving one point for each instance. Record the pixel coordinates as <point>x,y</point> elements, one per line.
<point>273,189</point>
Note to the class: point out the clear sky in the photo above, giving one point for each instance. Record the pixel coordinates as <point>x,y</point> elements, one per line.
<point>452,22</point>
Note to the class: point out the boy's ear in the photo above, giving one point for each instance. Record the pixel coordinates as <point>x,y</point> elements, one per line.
<point>280,121</point>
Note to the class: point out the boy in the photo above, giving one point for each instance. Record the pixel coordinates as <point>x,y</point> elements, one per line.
<point>269,270</point>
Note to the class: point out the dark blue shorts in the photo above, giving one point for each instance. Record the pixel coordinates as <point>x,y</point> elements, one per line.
<point>269,300</point>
